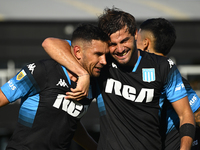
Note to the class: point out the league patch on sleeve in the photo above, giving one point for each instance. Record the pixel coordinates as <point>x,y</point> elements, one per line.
<point>21,75</point>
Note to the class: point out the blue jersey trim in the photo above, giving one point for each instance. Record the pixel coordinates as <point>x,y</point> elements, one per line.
<point>17,88</point>
<point>28,110</point>
<point>67,75</point>
<point>100,101</point>
<point>70,43</point>
<point>101,105</point>
<point>137,64</point>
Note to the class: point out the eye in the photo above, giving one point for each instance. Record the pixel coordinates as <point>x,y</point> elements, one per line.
<point>99,54</point>
<point>125,40</point>
<point>112,44</point>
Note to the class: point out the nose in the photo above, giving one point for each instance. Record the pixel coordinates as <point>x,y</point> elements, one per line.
<point>120,48</point>
<point>103,60</point>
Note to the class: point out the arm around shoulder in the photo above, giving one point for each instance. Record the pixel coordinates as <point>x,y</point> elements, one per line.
<point>60,51</point>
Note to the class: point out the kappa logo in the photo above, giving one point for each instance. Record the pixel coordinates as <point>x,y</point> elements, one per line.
<point>62,83</point>
<point>31,67</point>
<point>114,65</point>
<point>171,63</point>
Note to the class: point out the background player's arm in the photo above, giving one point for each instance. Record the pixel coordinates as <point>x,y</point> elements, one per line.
<point>83,138</point>
<point>197,116</point>
<point>60,51</point>
<point>185,114</point>
<point>3,99</point>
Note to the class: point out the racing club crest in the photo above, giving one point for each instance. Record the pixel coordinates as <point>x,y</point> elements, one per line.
<point>148,75</point>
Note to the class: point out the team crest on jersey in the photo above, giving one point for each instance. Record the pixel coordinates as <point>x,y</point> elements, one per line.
<point>148,75</point>
<point>21,75</point>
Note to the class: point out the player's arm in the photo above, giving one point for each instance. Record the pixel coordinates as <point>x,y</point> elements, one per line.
<point>194,101</point>
<point>197,116</point>
<point>3,99</point>
<point>60,51</point>
<point>83,138</point>
<point>187,123</point>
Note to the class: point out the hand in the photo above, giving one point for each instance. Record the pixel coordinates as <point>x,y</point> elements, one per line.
<point>81,90</point>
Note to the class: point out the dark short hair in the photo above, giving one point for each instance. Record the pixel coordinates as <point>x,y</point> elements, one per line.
<point>164,34</point>
<point>89,32</point>
<point>113,20</point>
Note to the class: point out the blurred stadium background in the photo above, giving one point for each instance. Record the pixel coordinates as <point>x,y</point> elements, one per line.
<point>24,24</point>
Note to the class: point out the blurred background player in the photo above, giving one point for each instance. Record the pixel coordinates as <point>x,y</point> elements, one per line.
<point>158,35</point>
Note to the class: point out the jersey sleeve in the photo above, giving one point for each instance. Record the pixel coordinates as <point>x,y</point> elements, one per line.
<point>24,83</point>
<point>194,100</point>
<point>174,88</point>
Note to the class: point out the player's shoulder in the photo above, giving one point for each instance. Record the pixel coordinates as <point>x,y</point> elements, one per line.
<point>152,56</point>
<point>156,59</point>
<point>48,63</point>
<point>39,66</point>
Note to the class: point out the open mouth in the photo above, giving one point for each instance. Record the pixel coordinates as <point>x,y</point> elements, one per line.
<point>124,53</point>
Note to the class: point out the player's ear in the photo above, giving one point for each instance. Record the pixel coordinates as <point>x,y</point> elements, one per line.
<point>146,44</point>
<point>77,51</point>
<point>136,33</point>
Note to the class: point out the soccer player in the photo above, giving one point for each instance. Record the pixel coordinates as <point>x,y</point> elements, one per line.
<point>48,121</point>
<point>130,85</point>
<point>158,35</point>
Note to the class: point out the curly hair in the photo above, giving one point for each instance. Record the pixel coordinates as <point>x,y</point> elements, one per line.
<point>113,20</point>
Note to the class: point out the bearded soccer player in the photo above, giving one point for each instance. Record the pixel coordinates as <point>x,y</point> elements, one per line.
<point>130,87</point>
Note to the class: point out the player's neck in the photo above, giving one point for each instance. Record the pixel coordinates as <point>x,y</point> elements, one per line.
<point>160,54</point>
<point>153,51</point>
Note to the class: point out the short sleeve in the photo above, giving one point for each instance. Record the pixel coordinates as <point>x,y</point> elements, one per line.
<point>25,82</point>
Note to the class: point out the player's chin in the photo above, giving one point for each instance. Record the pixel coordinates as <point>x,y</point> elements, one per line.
<point>96,74</point>
<point>122,61</point>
